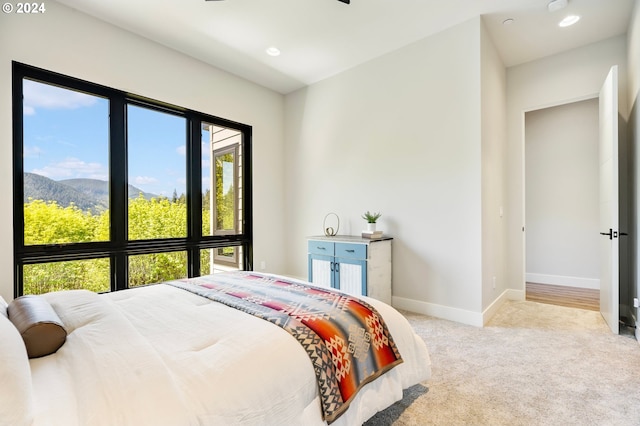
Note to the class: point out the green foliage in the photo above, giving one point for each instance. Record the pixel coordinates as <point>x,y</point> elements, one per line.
<point>157,218</point>
<point>50,223</point>
<point>371,217</point>
<point>91,274</point>
<point>157,267</point>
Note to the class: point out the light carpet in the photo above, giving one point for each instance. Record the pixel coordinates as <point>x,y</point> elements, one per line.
<point>533,364</point>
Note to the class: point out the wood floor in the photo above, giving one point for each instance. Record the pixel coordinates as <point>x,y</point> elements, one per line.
<point>573,297</point>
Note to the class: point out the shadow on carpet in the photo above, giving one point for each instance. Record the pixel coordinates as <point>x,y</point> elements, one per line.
<point>390,415</point>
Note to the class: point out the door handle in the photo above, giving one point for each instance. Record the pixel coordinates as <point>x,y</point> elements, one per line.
<point>610,233</point>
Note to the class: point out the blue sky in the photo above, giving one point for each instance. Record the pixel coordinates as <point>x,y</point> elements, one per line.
<point>66,136</point>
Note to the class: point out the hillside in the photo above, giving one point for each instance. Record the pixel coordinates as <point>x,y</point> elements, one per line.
<point>84,193</point>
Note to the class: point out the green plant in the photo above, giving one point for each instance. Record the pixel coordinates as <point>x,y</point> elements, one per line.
<point>371,217</point>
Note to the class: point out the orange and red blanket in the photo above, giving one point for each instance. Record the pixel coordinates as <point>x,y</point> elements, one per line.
<point>346,339</point>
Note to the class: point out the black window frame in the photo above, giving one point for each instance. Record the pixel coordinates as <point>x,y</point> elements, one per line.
<point>118,248</point>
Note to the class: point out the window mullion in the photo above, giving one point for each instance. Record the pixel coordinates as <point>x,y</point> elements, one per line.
<point>247,199</point>
<point>194,191</point>
<point>118,189</point>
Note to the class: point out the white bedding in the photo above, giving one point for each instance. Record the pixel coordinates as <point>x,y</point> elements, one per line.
<point>159,355</point>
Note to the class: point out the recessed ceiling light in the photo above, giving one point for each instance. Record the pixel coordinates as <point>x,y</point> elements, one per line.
<point>569,20</point>
<point>507,21</point>
<point>556,5</point>
<point>273,51</point>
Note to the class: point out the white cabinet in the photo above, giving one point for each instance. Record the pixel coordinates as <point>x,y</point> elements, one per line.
<point>356,265</point>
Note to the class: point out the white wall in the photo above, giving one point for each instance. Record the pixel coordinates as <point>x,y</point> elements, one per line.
<point>400,135</point>
<point>567,77</point>
<point>66,41</point>
<point>562,198</point>
<point>494,146</point>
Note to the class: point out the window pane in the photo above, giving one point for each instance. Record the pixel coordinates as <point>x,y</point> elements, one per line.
<point>157,267</point>
<point>65,159</point>
<point>157,174</point>
<point>221,180</point>
<point>90,275</point>
<point>220,260</point>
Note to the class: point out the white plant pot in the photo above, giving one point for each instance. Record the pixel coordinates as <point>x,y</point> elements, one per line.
<point>371,227</point>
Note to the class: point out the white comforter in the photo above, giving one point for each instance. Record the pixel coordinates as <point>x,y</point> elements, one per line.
<point>159,355</point>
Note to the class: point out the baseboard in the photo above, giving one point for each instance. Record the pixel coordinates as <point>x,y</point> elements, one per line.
<point>439,311</point>
<point>591,283</point>
<point>454,314</point>
<point>516,294</point>
<point>493,308</point>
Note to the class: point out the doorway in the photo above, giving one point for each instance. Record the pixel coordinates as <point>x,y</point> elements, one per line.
<point>562,196</point>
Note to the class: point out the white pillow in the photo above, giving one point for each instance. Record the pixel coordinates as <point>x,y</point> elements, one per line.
<point>16,392</point>
<point>3,307</point>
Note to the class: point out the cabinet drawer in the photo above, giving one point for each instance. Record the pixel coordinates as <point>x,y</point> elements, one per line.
<point>321,247</point>
<point>353,251</point>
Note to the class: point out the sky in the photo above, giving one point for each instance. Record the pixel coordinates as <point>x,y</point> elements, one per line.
<point>66,136</point>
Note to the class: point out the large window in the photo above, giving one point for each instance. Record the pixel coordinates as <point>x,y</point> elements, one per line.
<point>113,191</point>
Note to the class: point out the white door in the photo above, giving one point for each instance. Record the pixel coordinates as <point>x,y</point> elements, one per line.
<point>609,247</point>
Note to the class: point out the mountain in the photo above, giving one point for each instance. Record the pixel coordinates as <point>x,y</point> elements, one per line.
<point>99,189</point>
<point>84,193</point>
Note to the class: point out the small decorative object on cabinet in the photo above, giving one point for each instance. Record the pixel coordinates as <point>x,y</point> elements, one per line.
<point>371,219</point>
<point>330,231</point>
<point>358,266</point>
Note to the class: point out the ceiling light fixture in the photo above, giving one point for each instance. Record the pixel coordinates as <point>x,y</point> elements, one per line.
<point>569,20</point>
<point>557,5</point>
<point>273,51</point>
<point>508,21</point>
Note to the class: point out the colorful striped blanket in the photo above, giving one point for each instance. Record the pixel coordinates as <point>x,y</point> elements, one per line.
<point>346,339</point>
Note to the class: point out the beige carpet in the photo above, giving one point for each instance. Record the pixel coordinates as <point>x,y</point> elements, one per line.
<point>533,364</point>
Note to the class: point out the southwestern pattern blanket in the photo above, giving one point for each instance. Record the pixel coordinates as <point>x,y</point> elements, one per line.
<point>346,339</point>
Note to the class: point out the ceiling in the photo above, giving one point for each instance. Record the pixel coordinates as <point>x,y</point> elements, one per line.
<point>321,38</point>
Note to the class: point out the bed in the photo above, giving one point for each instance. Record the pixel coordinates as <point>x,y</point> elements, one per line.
<point>160,355</point>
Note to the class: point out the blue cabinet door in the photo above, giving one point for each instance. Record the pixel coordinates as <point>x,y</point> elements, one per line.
<point>350,275</point>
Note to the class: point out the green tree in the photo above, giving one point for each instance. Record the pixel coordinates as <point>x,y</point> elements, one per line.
<point>49,223</point>
<point>156,218</point>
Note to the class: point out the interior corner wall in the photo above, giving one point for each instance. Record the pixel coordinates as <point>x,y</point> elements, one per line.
<point>633,135</point>
<point>69,42</point>
<point>567,77</point>
<point>400,135</point>
<point>494,151</point>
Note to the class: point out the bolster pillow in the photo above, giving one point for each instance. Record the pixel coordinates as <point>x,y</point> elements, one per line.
<point>38,324</point>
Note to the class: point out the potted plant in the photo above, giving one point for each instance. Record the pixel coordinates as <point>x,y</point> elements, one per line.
<point>371,219</point>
